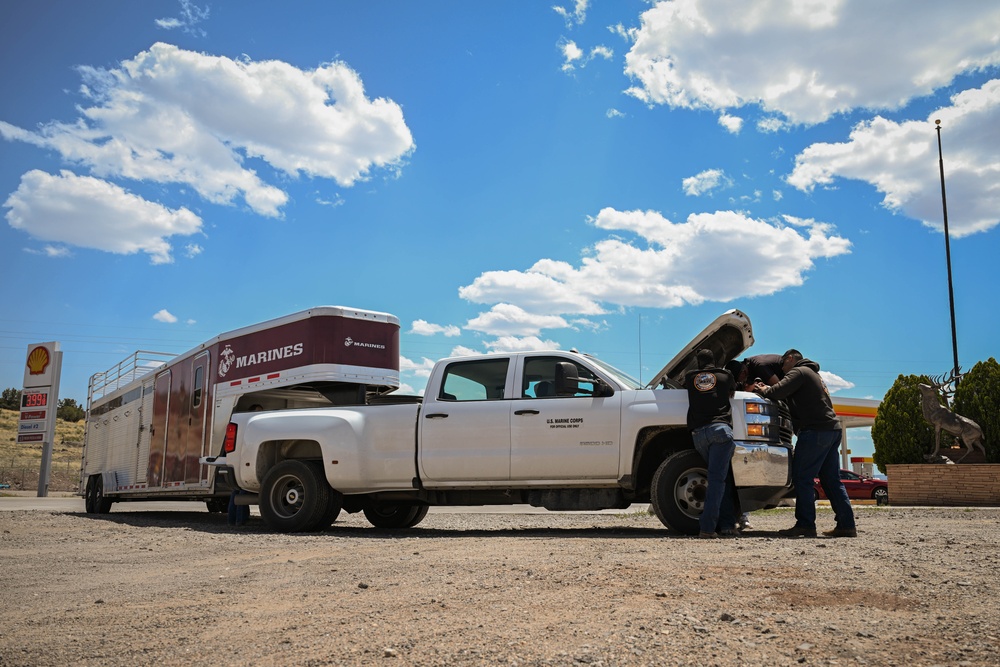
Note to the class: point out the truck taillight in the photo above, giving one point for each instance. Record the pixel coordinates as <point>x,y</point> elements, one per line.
<point>229,444</point>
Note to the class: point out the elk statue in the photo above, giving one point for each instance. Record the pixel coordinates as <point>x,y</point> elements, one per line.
<point>943,419</point>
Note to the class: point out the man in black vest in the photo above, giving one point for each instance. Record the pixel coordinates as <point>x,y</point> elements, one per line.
<point>710,419</point>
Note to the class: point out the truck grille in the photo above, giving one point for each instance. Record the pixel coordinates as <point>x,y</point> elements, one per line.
<point>785,425</point>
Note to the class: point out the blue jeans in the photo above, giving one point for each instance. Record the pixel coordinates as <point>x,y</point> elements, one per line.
<point>238,514</point>
<point>715,444</point>
<point>816,455</point>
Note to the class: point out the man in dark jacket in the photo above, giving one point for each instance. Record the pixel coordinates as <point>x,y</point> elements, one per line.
<point>816,449</point>
<point>765,368</point>
<point>710,419</point>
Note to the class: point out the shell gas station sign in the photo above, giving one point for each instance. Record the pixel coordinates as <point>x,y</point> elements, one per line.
<point>39,396</point>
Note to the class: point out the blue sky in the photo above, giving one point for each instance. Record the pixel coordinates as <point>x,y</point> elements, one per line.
<point>608,176</point>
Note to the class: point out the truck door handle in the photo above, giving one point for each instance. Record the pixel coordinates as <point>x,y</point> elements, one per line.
<point>525,412</point>
<point>437,415</point>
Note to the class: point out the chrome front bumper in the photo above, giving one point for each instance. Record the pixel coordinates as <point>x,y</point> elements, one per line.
<point>762,464</point>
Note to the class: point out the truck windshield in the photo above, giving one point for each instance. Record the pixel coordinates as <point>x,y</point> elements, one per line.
<point>620,376</point>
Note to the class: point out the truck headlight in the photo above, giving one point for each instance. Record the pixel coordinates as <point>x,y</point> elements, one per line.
<point>758,430</point>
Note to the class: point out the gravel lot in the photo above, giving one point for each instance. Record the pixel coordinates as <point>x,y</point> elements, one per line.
<point>919,586</point>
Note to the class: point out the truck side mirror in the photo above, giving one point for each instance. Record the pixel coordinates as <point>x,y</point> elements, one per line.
<point>567,379</point>
<point>568,382</point>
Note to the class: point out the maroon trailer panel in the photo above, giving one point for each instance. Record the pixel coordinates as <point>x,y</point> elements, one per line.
<point>333,340</point>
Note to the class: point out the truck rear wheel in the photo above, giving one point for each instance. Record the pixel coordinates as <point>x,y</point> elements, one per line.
<point>294,496</point>
<point>217,505</point>
<point>678,491</point>
<point>387,515</point>
<point>332,510</point>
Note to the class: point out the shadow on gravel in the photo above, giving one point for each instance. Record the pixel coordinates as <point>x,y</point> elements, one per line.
<point>217,524</point>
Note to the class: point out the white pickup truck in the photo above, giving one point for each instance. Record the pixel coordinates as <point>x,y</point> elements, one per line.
<point>555,429</point>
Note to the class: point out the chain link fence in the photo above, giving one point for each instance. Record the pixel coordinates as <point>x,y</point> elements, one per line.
<point>22,475</point>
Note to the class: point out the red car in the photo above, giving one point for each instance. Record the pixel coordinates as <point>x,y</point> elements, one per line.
<point>859,488</point>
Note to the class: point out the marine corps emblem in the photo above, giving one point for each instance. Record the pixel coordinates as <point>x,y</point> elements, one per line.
<point>226,359</point>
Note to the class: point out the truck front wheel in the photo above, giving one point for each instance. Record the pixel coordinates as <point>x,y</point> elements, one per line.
<point>390,515</point>
<point>294,496</point>
<point>678,491</point>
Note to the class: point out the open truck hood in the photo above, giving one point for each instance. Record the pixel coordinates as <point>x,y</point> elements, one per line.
<point>727,336</point>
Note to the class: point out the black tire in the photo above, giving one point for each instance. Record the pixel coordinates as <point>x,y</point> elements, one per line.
<point>88,495</point>
<point>881,495</point>
<point>294,496</point>
<point>391,515</point>
<point>217,505</point>
<point>102,504</point>
<point>678,491</point>
<point>333,507</point>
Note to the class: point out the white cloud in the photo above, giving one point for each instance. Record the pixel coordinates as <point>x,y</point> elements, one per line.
<point>191,16</point>
<point>614,113</point>
<point>807,60</point>
<point>602,51</point>
<point>192,250</point>
<point>574,56</point>
<point>733,124</point>
<point>50,251</point>
<point>164,315</point>
<point>91,213</point>
<point>420,368</point>
<point>627,34</point>
<point>463,351</point>
<point>175,116</point>
<point>521,344</point>
<point>706,181</point>
<point>834,382</point>
<point>571,53</point>
<point>771,125</point>
<point>406,389</point>
<point>505,318</point>
<point>901,161</point>
<point>577,15</point>
<point>424,328</point>
<point>669,265</point>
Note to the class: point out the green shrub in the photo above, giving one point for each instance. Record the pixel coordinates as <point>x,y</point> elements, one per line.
<point>978,398</point>
<point>900,432</point>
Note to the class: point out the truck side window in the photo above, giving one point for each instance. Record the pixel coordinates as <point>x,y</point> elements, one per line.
<point>480,380</point>
<point>538,380</point>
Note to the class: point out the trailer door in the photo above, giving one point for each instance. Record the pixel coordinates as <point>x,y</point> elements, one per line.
<point>158,431</point>
<point>195,432</point>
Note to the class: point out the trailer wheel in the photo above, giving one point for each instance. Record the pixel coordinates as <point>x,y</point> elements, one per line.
<point>102,504</point>
<point>88,496</point>
<point>678,491</point>
<point>294,496</point>
<point>392,515</point>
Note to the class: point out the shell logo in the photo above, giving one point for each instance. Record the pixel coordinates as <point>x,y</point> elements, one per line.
<point>38,361</point>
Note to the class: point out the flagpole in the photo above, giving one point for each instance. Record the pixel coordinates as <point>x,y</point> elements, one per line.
<point>947,253</point>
